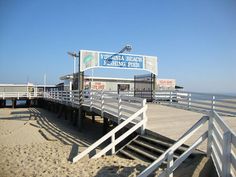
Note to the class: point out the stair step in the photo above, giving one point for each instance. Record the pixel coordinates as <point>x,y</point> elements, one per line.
<point>152,148</point>
<point>181,149</point>
<point>134,156</point>
<point>142,152</point>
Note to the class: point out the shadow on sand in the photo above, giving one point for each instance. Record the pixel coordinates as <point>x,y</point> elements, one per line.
<point>65,132</point>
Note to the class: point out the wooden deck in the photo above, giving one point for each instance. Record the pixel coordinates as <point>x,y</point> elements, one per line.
<point>174,122</point>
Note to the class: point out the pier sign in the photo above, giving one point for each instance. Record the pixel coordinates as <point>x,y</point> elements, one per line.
<point>91,59</point>
<point>120,60</point>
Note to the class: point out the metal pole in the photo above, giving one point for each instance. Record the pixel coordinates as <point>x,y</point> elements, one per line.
<point>74,64</point>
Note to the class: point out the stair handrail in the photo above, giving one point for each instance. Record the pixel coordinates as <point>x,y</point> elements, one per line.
<point>111,135</point>
<point>168,154</point>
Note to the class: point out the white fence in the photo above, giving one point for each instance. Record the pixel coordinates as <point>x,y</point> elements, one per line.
<point>120,106</point>
<point>221,147</point>
<point>18,95</point>
<point>128,110</point>
<point>222,104</point>
<point>113,136</point>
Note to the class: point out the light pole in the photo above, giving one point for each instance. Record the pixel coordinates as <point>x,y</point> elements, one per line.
<point>74,57</point>
<point>127,48</point>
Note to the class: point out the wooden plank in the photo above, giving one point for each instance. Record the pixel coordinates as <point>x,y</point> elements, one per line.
<point>233,159</point>
<point>217,164</point>
<point>118,140</point>
<point>189,151</point>
<point>226,154</point>
<point>217,133</point>
<point>109,134</point>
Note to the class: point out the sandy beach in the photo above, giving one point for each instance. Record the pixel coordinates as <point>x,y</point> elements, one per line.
<point>25,151</point>
<point>34,142</point>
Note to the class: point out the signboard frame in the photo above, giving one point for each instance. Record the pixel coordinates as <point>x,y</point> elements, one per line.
<point>95,58</point>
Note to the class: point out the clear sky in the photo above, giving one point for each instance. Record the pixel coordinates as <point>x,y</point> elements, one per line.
<point>195,40</point>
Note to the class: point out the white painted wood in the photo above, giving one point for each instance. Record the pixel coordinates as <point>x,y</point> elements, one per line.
<point>118,140</point>
<point>170,163</point>
<point>189,151</point>
<point>217,163</point>
<point>119,109</point>
<point>210,132</point>
<point>233,159</point>
<point>113,144</point>
<point>109,134</point>
<point>226,154</point>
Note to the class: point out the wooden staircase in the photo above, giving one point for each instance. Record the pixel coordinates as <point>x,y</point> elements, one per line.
<point>148,148</point>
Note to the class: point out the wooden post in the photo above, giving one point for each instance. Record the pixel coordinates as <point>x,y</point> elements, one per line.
<point>79,119</point>
<point>75,117</point>
<point>213,103</point>
<point>170,163</point>
<point>93,118</point>
<point>119,109</point>
<point>189,100</point>
<point>91,100</point>
<point>113,150</point>
<point>13,103</point>
<point>210,131</point>
<point>71,114</point>
<point>227,139</point>
<point>143,117</point>
<point>170,97</point>
<point>102,104</point>
<point>105,125</point>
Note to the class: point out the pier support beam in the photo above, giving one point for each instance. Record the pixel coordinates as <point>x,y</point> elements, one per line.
<point>28,103</point>
<point>75,117</point>
<point>2,103</point>
<point>81,115</point>
<point>93,118</point>
<point>13,103</point>
<point>105,125</point>
<point>79,119</point>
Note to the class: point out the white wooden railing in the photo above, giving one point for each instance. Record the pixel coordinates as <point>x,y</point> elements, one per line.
<point>113,136</point>
<point>221,147</point>
<point>118,105</point>
<point>129,111</point>
<point>18,95</point>
<point>222,104</point>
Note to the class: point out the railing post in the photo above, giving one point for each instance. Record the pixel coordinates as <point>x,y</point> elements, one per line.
<point>119,109</point>
<point>3,95</point>
<point>170,97</point>
<point>18,95</point>
<point>170,163</point>
<point>102,103</point>
<point>113,150</point>
<point>213,103</point>
<point>189,100</point>
<point>210,131</point>
<point>227,139</point>
<point>91,100</point>
<point>143,117</point>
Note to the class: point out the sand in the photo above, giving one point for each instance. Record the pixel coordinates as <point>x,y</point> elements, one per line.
<point>25,152</point>
<point>34,142</point>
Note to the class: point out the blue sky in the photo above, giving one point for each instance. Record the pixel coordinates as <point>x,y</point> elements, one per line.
<point>195,41</point>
